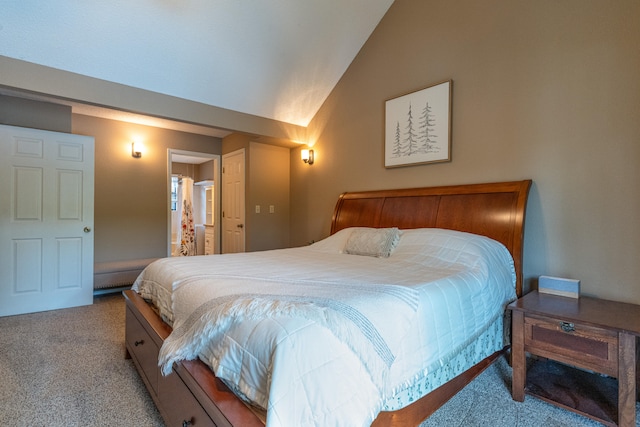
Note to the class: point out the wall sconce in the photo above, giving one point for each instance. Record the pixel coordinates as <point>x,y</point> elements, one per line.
<point>307,156</point>
<point>136,150</point>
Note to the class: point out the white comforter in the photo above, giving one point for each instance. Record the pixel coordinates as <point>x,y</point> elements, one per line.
<point>320,337</point>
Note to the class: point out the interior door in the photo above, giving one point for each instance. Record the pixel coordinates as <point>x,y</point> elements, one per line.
<point>46,220</point>
<point>233,216</point>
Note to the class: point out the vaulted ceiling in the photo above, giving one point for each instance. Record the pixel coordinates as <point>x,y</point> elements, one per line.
<point>277,59</point>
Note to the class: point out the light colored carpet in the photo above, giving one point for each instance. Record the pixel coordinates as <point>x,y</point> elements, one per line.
<point>67,368</point>
<point>486,401</point>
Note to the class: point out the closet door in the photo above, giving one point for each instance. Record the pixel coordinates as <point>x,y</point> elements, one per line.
<point>233,214</point>
<point>46,220</point>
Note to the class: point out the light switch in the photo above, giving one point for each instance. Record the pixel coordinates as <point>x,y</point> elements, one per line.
<point>257,208</point>
<point>272,209</point>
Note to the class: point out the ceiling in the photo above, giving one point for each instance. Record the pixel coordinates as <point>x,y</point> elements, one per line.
<point>277,59</point>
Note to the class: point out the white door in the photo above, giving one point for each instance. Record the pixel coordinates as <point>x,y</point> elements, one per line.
<point>233,229</point>
<point>46,220</point>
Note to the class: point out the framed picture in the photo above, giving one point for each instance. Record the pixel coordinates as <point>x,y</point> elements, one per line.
<point>418,127</point>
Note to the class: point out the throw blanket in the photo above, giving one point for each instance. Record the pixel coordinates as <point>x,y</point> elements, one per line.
<point>370,319</point>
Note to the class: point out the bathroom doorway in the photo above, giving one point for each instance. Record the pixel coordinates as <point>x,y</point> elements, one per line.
<point>195,176</point>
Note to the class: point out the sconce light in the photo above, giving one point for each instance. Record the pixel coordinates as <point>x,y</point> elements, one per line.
<point>136,150</point>
<point>307,156</point>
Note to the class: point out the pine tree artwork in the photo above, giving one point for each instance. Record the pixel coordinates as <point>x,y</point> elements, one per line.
<point>417,127</point>
<point>410,142</point>
<point>396,142</point>
<point>428,139</point>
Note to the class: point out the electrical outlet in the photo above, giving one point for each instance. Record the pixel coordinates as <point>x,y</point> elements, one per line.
<point>272,209</point>
<point>257,208</point>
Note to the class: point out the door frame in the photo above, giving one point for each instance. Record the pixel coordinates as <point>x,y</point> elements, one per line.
<point>217,179</point>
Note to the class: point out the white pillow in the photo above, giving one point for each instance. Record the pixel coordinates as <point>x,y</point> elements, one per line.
<point>376,242</point>
<point>333,243</point>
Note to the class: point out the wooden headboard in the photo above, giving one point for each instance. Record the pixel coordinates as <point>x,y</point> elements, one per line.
<point>495,210</point>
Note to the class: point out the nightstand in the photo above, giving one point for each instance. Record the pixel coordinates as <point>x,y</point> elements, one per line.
<point>597,336</point>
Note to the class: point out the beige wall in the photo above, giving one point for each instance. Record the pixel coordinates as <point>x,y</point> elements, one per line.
<point>269,186</point>
<point>197,172</point>
<point>131,195</point>
<point>547,90</point>
<point>34,114</point>
<point>266,183</point>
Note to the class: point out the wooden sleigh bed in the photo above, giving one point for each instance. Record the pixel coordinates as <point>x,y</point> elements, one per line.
<point>192,395</point>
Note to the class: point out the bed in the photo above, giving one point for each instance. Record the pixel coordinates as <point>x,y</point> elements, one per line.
<point>384,365</point>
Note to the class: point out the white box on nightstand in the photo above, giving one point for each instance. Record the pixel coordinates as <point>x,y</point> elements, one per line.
<point>559,286</point>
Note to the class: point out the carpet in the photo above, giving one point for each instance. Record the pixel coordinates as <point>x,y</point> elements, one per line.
<point>67,368</point>
<point>486,401</point>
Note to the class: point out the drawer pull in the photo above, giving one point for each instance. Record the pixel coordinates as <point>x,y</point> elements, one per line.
<point>137,343</point>
<point>567,327</point>
<point>187,423</point>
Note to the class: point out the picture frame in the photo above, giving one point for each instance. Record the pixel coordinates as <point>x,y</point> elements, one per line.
<point>418,127</point>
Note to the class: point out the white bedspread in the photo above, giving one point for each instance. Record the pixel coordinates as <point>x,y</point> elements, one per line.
<point>319,337</point>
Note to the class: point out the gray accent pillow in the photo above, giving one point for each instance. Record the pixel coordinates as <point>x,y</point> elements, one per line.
<point>375,242</point>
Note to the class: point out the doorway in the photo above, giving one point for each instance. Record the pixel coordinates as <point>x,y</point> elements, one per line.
<point>204,171</point>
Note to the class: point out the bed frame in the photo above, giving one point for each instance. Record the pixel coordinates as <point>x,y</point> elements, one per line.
<point>192,395</point>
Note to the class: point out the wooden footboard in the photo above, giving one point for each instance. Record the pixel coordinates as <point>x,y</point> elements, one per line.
<point>191,395</point>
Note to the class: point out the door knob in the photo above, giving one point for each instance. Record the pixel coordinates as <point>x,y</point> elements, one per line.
<point>87,229</point>
<point>240,225</point>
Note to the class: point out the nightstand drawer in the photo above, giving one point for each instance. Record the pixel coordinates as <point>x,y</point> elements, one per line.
<point>573,343</point>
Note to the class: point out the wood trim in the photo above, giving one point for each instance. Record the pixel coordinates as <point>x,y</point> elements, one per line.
<point>518,357</point>
<point>158,329</point>
<point>205,386</point>
<point>627,380</point>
